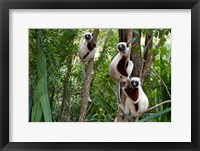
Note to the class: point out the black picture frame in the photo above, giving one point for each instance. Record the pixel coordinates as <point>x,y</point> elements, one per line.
<point>5,5</point>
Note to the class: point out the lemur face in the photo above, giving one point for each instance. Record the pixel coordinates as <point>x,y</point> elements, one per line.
<point>123,47</point>
<point>135,82</point>
<point>88,36</point>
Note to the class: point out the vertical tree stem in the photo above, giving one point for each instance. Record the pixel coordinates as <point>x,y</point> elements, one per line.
<point>126,36</point>
<point>87,83</point>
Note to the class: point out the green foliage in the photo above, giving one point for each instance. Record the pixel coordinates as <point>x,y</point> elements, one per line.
<point>41,104</point>
<point>162,66</point>
<point>56,81</point>
<point>155,115</point>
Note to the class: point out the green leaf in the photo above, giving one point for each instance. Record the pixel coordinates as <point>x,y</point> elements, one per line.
<point>36,115</point>
<point>46,108</point>
<point>111,91</point>
<point>155,115</point>
<point>41,100</point>
<point>156,102</point>
<point>103,103</point>
<point>134,39</point>
<point>144,48</point>
<point>30,106</point>
<point>136,31</point>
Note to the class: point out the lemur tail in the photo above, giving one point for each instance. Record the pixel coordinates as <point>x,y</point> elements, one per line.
<point>118,93</point>
<point>89,100</point>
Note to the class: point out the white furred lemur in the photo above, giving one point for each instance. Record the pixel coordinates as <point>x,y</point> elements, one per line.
<point>87,51</point>
<point>136,102</point>
<point>121,67</point>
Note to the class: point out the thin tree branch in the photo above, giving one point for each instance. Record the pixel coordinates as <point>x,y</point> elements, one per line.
<point>125,35</point>
<point>106,40</point>
<point>87,83</point>
<point>161,81</point>
<point>142,63</point>
<point>142,68</point>
<point>146,56</point>
<point>158,45</point>
<point>129,38</point>
<point>164,102</point>
<point>89,107</point>
<point>154,32</point>
<point>154,54</point>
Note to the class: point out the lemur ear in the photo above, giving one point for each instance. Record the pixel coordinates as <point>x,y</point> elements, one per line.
<point>92,34</point>
<point>127,44</point>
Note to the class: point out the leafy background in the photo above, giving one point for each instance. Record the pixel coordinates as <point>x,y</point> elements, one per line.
<point>56,81</point>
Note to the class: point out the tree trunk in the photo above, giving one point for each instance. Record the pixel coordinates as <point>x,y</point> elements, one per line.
<point>141,68</point>
<point>87,82</point>
<point>147,57</point>
<point>136,57</point>
<point>125,35</point>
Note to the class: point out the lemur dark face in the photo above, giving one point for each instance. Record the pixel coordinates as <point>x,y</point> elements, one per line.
<point>135,82</point>
<point>88,36</point>
<point>123,47</point>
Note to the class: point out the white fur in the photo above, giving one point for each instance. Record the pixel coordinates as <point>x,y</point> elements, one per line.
<point>127,48</point>
<point>113,66</point>
<point>83,50</point>
<point>142,101</point>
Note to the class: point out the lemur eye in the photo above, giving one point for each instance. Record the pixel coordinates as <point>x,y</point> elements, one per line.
<point>122,46</point>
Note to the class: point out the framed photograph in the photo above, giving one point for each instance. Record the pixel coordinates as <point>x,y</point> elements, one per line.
<point>101,75</point>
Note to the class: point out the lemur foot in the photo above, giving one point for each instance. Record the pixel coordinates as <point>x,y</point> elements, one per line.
<point>122,107</point>
<point>130,117</point>
<point>121,114</point>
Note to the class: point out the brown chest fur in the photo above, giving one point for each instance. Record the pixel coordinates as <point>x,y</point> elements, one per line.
<point>122,65</point>
<point>133,94</point>
<point>91,46</point>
